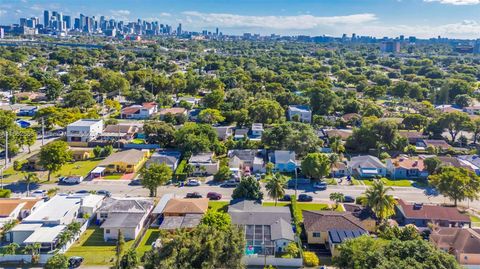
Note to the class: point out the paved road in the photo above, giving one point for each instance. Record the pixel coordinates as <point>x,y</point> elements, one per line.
<point>25,154</point>
<point>121,188</point>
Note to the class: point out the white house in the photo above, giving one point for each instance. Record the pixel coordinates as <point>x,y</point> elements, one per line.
<point>84,130</point>
<point>139,112</point>
<point>170,158</point>
<point>303,112</point>
<point>125,214</point>
<point>366,166</point>
<point>241,159</point>
<point>204,164</point>
<point>257,131</point>
<point>284,160</point>
<point>17,208</point>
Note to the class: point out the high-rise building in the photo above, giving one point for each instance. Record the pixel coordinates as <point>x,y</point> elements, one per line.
<point>476,49</point>
<point>46,19</point>
<point>2,33</point>
<point>216,31</point>
<point>179,29</point>
<point>390,47</point>
<point>68,21</point>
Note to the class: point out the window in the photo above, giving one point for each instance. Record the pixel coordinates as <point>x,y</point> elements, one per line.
<point>103,215</point>
<point>107,231</point>
<point>316,234</point>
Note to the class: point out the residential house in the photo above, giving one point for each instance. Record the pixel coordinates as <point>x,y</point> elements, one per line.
<point>170,158</point>
<point>240,133</point>
<point>284,160</point>
<point>364,214</point>
<point>192,101</point>
<point>404,167</point>
<point>447,108</point>
<point>28,111</point>
<point>117,132</point>
<point>139,112</point>
<point>46,223</point>
<point>458,163</point>
<point>472,110</point>
<point>193,114</point>
<point>224,132</point>
<point>302,112</point>
<point>84,130</point>
<point>421,215</point>
<point>30,96</point>
<point>268,229</point>
<point>339,169</point>
<point>174,111</point>
<point>127,215</point>
<point>472,160</point>
<point>81,154</point>
<point>352,118</point>
<point>257,132</point>
<point>318,224</point>
<point>125,161</point>
<point>183,213</point>
<point>204,164</point>
<point>33,163</point>
<point>366,166</point>
<point>413,137</point>
<point>463,243</point>
<point>435,143</point>
<point>17,208</point>
<point>343,134</point>
<point>251,159</point>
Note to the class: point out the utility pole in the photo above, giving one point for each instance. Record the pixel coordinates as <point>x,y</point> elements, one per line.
<point>43,132</point>
<point>6,148</point>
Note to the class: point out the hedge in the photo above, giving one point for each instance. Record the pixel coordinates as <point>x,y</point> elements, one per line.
<point>180,175</point>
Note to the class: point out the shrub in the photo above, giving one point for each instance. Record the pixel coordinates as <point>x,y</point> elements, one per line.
<point>310,259</point>
<point>359,200</point>
<point>180,174</point>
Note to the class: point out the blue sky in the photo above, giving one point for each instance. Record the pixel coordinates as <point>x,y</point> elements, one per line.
<point>422,18</point>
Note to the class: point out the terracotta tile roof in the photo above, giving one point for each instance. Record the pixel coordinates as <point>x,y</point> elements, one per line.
<point>436,143</point>
<point>186,206</point>
<point>431,212</point>
<point>330,220</point>
<point>459,240</point>
<point>130,110</point>
<point>172,110</point>
<point>406,163</point>
<point>7,205</point>
<point>149,105</point>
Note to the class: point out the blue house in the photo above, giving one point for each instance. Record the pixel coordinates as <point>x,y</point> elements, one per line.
<point>284,161</point>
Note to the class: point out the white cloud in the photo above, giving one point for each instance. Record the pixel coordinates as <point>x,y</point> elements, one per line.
<point>455,2</point>
<point>165,14</point>
<point>299,22</point>
<point>120,13</point>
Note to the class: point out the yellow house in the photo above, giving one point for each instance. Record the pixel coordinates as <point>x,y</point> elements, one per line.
<point>126,161</point>
<point>81,154</point>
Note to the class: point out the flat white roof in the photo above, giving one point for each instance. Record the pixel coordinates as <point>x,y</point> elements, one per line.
<point>26,227</point>
<point>44,234</point>
<point>85,122</point>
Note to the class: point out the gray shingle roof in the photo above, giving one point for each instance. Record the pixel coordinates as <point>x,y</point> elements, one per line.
<point>122,220</point>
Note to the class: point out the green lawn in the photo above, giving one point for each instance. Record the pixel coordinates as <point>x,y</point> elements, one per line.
<point>94,249</point>
<point>390,182</point>
<point>145,245</point>
<point>278,204</point>
<point>474,218</point>
<point>113,176</point>
<point>138,141</point>
<point>81,168</point>
<point>220,206</point>
<point>313,206</point>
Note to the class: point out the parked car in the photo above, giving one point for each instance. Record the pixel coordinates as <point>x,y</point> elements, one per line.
<point>214,196</point>
<point>286,198</point>
<point>320,186</point>
<point>82,192</point>
<point>72,179</point>
<point>104,193</point>
<point>348,199</point>
<point>305,198</point>
<point>193,195</point>
<point>193,183</point>
<point>39,193</point>
<point>75,262</point>
<point>135,182</point>
<point>230,184</point>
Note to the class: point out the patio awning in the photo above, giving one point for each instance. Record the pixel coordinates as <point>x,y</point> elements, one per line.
<point>45,234</point>
<point>98,170</point>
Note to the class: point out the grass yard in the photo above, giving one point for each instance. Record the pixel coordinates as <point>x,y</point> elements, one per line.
<point>94,249</point>
<point>475,220</point>
<point>113,176</point>
<point>81,168</point>
<point>312,206</point>
<point>138,141</point>
<point>390,182</point>
<point>278,204</point>
<point>220,206</point>
<point>145,245</point>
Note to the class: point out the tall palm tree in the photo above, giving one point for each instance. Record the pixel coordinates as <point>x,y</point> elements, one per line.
<point>275,187</point>
<point>333,159</point>
<point>381,203</point>
<point>337,197</point>
<point>29,178</point>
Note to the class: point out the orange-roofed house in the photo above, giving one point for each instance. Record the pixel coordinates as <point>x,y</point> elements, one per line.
<point>181,213</point>
<point>17,208</point>
<point>139,112</point>
<point>404,167</point>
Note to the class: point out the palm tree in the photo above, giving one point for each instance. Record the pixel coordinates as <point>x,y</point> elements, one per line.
<point>29,178</point>
<point>337,197</point>
<point>381,203</point>
<point>64,238</point>
<point>275,187</point>
<point>333,158</point>
<point>11,248</point>
<point>74,228</point>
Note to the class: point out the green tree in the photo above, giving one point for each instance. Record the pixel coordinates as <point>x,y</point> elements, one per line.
<point>5,193</point>
<point>291,251</point>
<point>97,151</point>
<point>454,123</point>
<point>29,178</point>
<point>54,155</point>
<point>57,261</point>
<point>415,122</point>
<point>11,248</point>
<point>432,164</point>
<point>194,138</point>
<point>119,248</point>
<point>81,99</point>
<point>269,168</point>
<point>159,132</point>
<point>129,260</point>
<point>457,184</point>
<point>214,99</point>
<point>210,116</point>
<point>337,197</point>
<point>217,220</point>
<point>223,173</point>
<point>295,136</point>
<point>248,189</point>
<point>381,203</point>
<point>154,176</point>
<point>276,187</point>
<point>322,100</point>
<point>53,89</point>
<point>266,111</point>
<point>316,165</point>
<point>204,247</point>
<point>408,232</point>
<point>28,137</point>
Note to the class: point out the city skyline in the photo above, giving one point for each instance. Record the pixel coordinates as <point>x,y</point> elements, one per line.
<point>422,18</point>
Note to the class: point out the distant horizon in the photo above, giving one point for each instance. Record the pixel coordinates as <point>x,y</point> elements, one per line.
<point>424,19</point>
